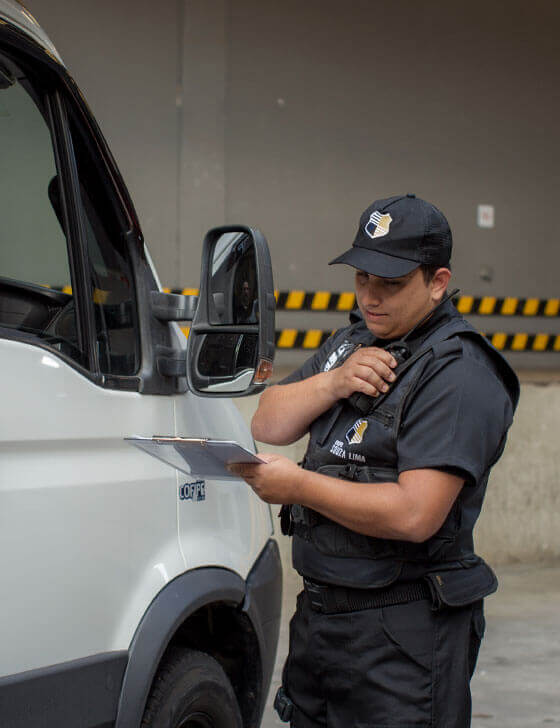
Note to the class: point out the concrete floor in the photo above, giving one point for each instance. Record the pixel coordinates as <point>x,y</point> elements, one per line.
<point>516,684</point>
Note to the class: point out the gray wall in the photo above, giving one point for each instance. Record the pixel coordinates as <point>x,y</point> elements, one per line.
<point>457,102</point>
<point>293,116</point>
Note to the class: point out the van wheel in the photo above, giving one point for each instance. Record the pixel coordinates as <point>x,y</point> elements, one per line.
<point>191,690</point>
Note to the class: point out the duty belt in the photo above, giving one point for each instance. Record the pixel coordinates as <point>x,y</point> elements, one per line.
<point>336,599</point>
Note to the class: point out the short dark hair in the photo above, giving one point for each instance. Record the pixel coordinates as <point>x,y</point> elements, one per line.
<point>429,271</point>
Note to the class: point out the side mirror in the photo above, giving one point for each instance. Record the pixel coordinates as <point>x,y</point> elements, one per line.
<point>231,341</point>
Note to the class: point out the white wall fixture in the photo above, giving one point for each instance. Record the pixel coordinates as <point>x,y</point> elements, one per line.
<point>485,216</point>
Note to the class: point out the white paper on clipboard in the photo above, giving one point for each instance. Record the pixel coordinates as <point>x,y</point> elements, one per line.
<point>202,457</point>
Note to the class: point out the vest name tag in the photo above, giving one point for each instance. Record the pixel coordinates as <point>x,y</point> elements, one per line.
<point>338,449</point>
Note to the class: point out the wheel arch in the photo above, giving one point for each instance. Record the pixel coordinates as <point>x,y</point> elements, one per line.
<point>214,610</point>
<point>169,610</point>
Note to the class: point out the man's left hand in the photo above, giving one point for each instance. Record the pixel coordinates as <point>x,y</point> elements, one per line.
<point>275,481</point>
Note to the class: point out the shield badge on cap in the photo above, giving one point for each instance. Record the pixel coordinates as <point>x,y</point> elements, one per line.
<point>378,224</point>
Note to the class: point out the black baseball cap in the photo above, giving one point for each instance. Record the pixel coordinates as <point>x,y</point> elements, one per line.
<point>398,234</point>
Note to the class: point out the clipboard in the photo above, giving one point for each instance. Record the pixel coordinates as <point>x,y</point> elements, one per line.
<point>203,457</point>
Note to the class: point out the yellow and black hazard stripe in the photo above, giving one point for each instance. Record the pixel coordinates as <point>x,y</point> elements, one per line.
<point>524,342</point>
<point>182,291</point>
<point>294,339</point>
<point>315,301</point>
<point>509,306</point>
<point>313,338</point>
<point>480,306</point>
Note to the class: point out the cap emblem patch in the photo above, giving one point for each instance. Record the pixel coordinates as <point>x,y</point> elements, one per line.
<point>356,433</point>
<point>378,224</point>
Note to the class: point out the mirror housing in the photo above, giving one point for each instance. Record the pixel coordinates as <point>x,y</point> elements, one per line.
<point>231,340</point>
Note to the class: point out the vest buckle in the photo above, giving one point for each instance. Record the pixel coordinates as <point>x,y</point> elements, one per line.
<point>348,472</point>
<point>314,593</point>
<point>283,706</point>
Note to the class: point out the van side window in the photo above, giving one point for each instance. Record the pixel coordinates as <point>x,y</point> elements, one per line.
<point>36,299</point>
<point>112,283</point>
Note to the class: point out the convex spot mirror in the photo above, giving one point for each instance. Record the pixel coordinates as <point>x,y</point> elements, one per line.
<point>231,341</point>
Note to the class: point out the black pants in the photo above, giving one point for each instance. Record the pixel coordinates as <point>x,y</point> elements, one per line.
<point>404,666</point>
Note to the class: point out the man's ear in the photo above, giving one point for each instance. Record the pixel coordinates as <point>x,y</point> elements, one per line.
<point>439,283</point>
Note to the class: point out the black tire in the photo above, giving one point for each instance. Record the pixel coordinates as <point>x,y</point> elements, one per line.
<point>191,690</point>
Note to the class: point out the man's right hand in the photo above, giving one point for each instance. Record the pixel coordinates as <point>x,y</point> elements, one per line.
<point>286,411</point>
<point>368,370</point>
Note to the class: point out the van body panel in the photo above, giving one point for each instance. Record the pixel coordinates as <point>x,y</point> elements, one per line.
<point>90,525</point>
<point>232,525</point>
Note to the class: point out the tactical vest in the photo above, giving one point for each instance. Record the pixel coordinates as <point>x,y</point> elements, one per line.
<point>328,552</point>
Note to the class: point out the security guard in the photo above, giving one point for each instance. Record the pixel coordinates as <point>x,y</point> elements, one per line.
<point>407,411</point>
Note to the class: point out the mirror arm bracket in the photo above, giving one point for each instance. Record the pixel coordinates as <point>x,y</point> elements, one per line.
<point>170,362</point>
<point>173,306</point>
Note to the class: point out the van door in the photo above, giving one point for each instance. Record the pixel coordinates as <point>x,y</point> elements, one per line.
<point>88,528</point>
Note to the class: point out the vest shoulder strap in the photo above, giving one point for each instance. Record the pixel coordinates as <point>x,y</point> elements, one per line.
<point>440,342</point>
<point>506,372</point>
<point>445,341</point>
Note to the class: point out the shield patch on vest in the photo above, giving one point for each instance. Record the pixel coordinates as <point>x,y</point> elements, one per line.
<point>356,433</point>
<point>378,224</point>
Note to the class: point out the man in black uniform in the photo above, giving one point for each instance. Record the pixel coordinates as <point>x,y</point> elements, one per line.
<point>407,410</point>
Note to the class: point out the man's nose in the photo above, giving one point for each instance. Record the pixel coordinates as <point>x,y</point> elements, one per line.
<point>373,295</point>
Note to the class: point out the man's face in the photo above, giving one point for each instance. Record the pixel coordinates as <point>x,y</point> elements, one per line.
<point>393,306</point>
<point>245,294</point>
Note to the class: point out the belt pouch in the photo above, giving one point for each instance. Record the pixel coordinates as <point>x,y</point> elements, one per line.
<point>285,520</point>
<point>459,587</point>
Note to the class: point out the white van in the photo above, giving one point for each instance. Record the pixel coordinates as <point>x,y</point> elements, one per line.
<point>130,595</point>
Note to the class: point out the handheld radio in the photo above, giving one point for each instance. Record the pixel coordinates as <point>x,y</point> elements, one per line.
<point>401,352</point>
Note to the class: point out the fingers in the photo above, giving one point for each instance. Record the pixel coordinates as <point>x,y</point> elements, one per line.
<point>249,471</point>
<point>361,385</point>
<point>371,371</point>
<point>243,470</point>
<point>380,376</point>
<point>371,355</point>
<point>269,457</point>
<point>368,370</point>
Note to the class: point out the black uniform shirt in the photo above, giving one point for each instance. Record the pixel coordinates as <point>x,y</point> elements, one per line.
<point>457,416</point>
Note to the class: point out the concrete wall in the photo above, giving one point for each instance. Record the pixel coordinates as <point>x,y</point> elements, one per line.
<point>293,116</point>
<point>521,516</point>
<point>333,104</point>
<point>520,520</point>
